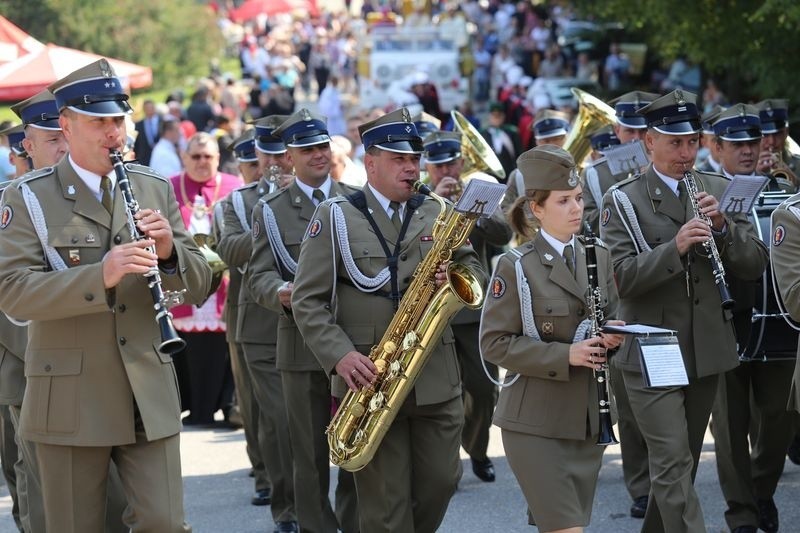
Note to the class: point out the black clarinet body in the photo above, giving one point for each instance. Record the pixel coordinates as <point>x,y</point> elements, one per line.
<point>594,302</point>
<point>171,343</point>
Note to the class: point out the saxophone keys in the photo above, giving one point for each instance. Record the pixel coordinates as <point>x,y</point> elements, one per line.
<point>410,340</point>
<point>389,347</point>
<point>357,410</point>
<point>376,402</point>
<point>380,365</point>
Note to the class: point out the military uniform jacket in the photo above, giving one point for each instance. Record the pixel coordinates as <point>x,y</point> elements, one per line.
<point>488,232</point>
<point>13,339</point>
<point>597,179</point>
<point>550,398</point>
<point>293,212</point>
<point>254,324</point>
<point>784,253</point>
<point>357,320</point>
<point>659,288</point>
<point>91,352</point>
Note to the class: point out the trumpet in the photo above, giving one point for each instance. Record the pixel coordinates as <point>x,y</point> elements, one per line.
<point>709,244</point>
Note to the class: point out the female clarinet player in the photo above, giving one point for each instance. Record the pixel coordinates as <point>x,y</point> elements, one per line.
<point>537,323</point>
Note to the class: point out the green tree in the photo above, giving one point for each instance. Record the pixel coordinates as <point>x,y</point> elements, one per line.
<point>176,38</point>
<point>745,45</point>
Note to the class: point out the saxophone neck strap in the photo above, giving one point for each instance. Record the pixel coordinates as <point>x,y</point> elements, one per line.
<point>359,201</point>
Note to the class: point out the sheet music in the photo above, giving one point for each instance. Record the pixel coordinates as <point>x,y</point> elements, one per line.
<point>628,157</point>
<point>662,362</point>
<point>741,193</point>
<point>637,329</point>
<point>481,197</point>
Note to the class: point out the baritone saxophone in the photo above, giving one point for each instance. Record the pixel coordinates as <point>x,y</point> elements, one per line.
<point>364,416</point>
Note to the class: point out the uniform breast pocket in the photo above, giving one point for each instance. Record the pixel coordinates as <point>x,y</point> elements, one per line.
<point>53,388</point>
<point>368,256</point>
<point>551,316</point>
<point>656,235</point>
<point>293,240</point>
<point>77,244</point>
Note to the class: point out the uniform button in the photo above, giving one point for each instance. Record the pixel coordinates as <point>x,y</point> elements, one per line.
<point>658,239</point>
<point>549,309</point>
<point>327,306</point>
<point>74,240</point>
<point>122,308</point>
<point>48,368</point>
<point>552,373</point>
<point>403,257</point>
<point>697,301</point>
<point>697,279</point>
<point>117,239</point>
<point>670,270</point>
<point>89,297</point>
<point>123,340</point>
<point>365,252</point>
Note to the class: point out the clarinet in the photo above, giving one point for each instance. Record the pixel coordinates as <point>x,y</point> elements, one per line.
<point>171,343</point>
<point>594,301</point>
<point>709,245</point>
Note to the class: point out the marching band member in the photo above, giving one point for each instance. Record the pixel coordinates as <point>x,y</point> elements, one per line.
<point>97,390</point>
<point>549,416</point>
<point>408,484</point>
<point>665,278</point>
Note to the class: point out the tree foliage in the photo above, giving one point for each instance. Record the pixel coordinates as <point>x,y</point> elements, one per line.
<point>748,46</point>
<point>177,38</point>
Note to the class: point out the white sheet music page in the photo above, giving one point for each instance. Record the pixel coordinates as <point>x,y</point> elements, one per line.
<point>740,194</point>
<point>626,158</point>
<point>481,197</point>
<point>662,362</point>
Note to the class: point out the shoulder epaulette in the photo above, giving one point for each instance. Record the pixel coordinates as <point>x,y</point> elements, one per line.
<point>712,174</point>
<point>246,187</point>
<point>792,200</point>
<point>274,194</point>
<point>521,250</point>
<point>626,181</point>
<point>335,200</point>
<point>32,175</point>
<point>142,169</point>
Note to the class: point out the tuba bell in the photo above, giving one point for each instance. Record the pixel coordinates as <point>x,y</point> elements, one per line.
<point>593,114</point>
<point>480,161</point>
<point>781,170</point>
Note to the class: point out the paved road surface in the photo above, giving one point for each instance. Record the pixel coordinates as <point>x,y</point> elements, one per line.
<point>218,493</point>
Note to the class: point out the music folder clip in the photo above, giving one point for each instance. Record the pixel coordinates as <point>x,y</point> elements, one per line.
<point>659,354</point>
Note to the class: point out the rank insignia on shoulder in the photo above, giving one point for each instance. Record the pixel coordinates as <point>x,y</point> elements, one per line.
<point>256,230</point>
<point>777,236</point>
<point>6,216</point>
<point>605,216</point>
<point>498,287</point>
<point>314,228</point>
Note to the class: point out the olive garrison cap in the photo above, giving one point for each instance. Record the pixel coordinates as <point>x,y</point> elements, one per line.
<point>548,168</point>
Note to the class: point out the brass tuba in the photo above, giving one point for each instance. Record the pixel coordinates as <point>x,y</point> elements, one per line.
<point>479,158</point>
<point>364,417</point>
<point>593,113</point>
<point>781,171</point>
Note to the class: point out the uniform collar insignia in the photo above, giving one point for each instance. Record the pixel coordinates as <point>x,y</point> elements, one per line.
<point>548,256</point>
<point>71,190</point>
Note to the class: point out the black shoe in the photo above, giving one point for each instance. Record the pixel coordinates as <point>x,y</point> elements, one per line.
<point>251,473</point>
<point>793,453</point>
<point>262,497</point>
<point>285,527</point>
<point>767,515</point>
<point>744,529</point>
<point>639,507</point>
<point>483,469</point>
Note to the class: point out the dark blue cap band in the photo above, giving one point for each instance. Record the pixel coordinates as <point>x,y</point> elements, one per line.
<point>305,133</point>
<point>245,151</point>
<point>627,114</point>
<point>773,120</point>
<point>268,143</point>
<point>395,137</point>
<point>442,151</point>
<point>602,141</point>
<point>675,119</point>
<point>15,142</point>
<point>41,115</point>
<point>423,127</point>
<point>550,127</point>
<point>101,96</point>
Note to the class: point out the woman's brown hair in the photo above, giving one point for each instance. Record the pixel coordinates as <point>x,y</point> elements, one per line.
<point>518,214</point>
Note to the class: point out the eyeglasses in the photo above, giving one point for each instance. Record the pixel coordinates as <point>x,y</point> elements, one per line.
<point>197,157</point>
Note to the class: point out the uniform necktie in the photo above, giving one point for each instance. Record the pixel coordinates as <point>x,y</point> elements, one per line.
<point>318,196</point>
<point>569,258</point>
<point>107,198</point>
<point>683,194</point>
<point>395,207</point>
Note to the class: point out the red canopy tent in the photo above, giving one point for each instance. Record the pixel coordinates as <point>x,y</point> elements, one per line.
<point>14,42</point>
<point>33,72</point>
<point>251,9</point>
